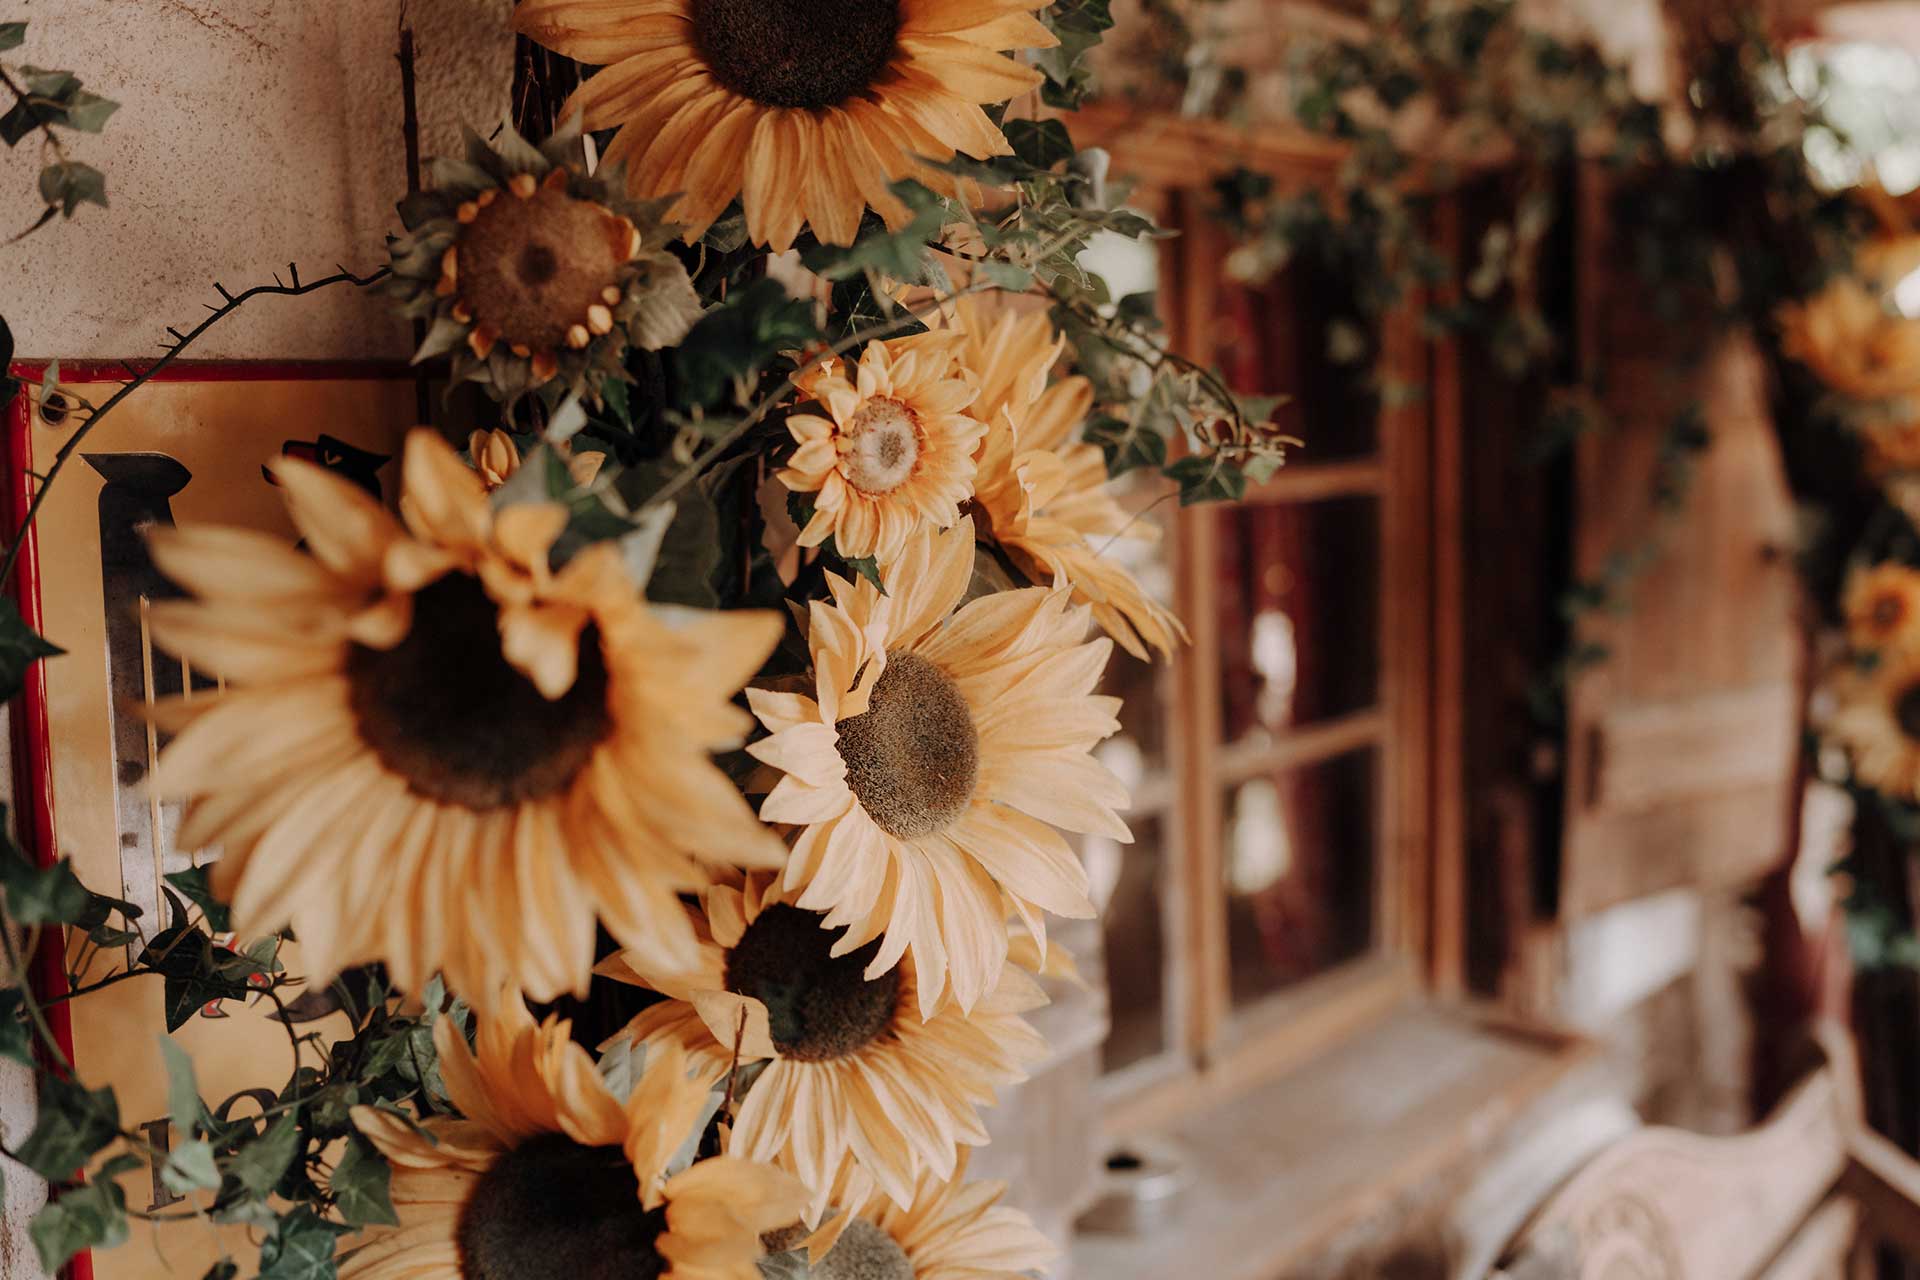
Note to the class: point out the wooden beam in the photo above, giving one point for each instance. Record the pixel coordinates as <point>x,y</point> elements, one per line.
<point>1293,748</point>
<point>1314,481</point>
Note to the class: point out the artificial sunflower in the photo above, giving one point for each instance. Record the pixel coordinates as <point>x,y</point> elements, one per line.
<point>892,451</point>
<point>549,1174</point>
<point>534,272</point>
<point>1883,606</point>
<point>1041,489</point>
<point>435,750</point>
<point>1878,721</point>
<point>496,457</point>
<point>1850,333</point>
<point>806,109</point>
<point>951,1230</point>
<point>859,1090</point>
<point>938,747</point>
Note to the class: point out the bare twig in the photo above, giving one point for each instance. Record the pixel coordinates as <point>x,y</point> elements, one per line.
<point>233,303</point>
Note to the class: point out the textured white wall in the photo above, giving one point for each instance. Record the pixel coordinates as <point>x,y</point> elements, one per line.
<point>251,133</point>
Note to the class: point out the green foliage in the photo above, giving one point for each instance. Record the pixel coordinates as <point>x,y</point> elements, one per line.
<point>72,1124</point>
<point>20,646</point>
<point>360,1186</point>
<point>42,102</point>
<point>1079,25</point>
<point>89,1217</point>
<point>196,886</point>
<point>300,1248</point>
<point>725,352</point>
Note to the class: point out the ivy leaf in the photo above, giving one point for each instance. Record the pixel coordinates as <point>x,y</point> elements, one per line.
<point>183,1090</point>
<point>689,553</point>
<point>732,343</point>
<point>88,112</point>
<point>190,1167</point>
<point>89,1217</point>
<point>16,1040</point>
<point>70,184</point>
<point>300,1248</point>
<point>1041,143</point>
<point>12,35</point>
<point>901,254</point>
<point>193,967</point>
<point>73,1123</point>
<point>20,648</point>
<point>1127,445</point>
<point>258,1165</point>
<point>1203,479</point>
<point>8,385</point>
<point>40,895</point>
<point>361,1186</point>
<point>225,1269</point>
<point>196,886</point>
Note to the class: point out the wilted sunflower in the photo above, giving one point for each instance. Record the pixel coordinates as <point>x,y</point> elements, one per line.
<point>1879,723</point>
<point>531,270</point>
<point>937,748</point>
<point>1852,335</point>
<point>1883,606</point>
<point>858,1090</point>
<point>806,109</point>
<point>551,1175</point>
<point>952,1230</point>
<point>893,451</point>
<point>436,751</point>
<point>1043,490</point>
<point>496,457</point>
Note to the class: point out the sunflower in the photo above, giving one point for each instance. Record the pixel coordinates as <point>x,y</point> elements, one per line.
<point>893,451</point>
<point>436,751</point>
<point>551,1175</point>
<point>858,1091</point>
<point>496,457</point>
<point>1042,490</point>
<point>1850,334</point>
<point>938,747</point>
<point>530,269</point>
<point>1883,606</point>
<point>806,109</point>
<point>951,1230</point>
<point>1878,721</point>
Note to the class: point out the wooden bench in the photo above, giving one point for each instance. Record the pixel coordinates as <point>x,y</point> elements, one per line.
<point>1793,1199</point>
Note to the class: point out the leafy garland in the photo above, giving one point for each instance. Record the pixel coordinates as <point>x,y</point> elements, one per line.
<point>688,410</point>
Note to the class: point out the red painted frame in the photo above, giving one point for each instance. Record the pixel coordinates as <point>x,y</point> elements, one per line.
<point>32,742</point>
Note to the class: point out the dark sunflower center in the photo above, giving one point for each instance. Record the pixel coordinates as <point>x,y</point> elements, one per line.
<point>913,756</point>
<point>531,266</point>
<point>445,710</point>
<point>1906,710</point>
<point>864,1252</point>
<point>1887,611</point>
<point>551,1209</point>
<point>819,1006</point>
<point>796,53</point>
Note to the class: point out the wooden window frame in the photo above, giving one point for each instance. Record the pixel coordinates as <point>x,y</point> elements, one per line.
<point>1213,1052</point>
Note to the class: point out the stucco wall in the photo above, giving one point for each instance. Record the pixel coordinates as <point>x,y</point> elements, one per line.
<point>252,133</point>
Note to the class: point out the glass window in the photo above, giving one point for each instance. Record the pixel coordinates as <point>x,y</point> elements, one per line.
<point>1129,889</point>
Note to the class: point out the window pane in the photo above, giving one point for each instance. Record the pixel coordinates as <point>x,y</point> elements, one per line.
<point>1299,334</point>
<point>1300,609</point>
<point>1138,753</point>
<point>1300,856</point>
<point>1127,887</point>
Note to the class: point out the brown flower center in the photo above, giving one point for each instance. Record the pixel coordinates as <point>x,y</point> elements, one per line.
<point>879,447</point>
<point>796,53</point>
<point>913,756</point>
<point>819,1005</point>
<point>445,710</point>
<point>551,1209</point>
<point>531,266</point>
<point>1887,611</point>
<point>1906,711</point>
<point>864,1252</point>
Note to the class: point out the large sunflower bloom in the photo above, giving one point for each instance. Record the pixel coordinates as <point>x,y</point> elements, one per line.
<point>858,1089</point>
<point>1851,336</point>
<point>1878,721</point>
<point>550,1175</point>
<point>892,451</point>
<point>951,1230</point>
<point>806,109</point>
<point>436,751</point>
<point>1043,490</point>
<point>937,748</point>
<point>1882,605</point>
